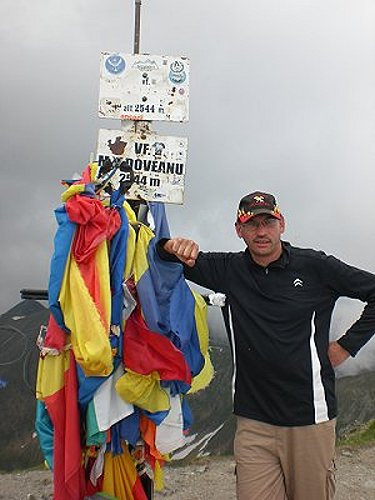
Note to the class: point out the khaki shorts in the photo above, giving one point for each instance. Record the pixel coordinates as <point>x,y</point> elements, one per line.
<point>284,463</point>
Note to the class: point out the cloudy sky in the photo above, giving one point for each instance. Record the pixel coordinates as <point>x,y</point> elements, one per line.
<point>282,99</point>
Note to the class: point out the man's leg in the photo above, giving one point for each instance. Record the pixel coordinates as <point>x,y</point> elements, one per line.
<point>307,457</point>
<point>258,469</point>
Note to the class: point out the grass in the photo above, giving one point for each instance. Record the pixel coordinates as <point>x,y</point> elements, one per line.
<point>361,436</point>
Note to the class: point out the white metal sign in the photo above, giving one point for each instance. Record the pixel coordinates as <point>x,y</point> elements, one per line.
<point>144,87</point>
<point>155,164</point>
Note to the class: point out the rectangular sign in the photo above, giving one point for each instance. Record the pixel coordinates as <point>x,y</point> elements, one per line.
<point>144,87</point>
<point>154,165</point>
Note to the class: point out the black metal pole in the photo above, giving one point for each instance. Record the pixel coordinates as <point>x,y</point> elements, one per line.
<point>137,26</point>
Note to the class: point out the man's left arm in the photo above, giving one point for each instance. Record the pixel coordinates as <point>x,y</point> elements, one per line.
<point>354,283</point>
<point>337,354</point>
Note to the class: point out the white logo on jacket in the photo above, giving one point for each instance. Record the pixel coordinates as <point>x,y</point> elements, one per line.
<point>298,282</point>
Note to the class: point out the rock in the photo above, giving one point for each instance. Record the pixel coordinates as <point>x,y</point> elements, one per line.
<point>347,453</point>
<point>201,470</point>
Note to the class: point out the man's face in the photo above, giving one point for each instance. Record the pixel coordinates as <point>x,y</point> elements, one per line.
<point>262,236</point>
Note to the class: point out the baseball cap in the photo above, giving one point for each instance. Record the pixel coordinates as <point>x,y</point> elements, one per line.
<point>257,203</point>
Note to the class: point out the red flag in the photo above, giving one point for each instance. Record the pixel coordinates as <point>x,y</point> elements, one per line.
<point>62,406</point>
<point>146,351</point>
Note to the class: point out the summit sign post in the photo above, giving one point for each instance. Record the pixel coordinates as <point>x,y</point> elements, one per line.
<point>138,89</point>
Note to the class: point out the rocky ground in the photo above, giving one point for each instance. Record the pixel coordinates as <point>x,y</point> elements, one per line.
<point>211,478</point>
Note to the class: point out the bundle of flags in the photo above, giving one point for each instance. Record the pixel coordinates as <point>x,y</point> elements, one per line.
<point>127,340</point>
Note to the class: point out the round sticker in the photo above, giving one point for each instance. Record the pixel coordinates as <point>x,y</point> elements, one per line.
<point>177,78</point>
<point>177,67</point>
<point>115,64</point>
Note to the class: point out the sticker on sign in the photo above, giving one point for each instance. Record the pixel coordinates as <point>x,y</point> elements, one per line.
<point>144,87</point>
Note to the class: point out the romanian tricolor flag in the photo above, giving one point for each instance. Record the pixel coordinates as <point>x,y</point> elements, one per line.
<point>85,295</point>
<point>167,302</point>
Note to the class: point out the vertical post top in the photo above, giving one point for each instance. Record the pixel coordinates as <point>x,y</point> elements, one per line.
<point>137,26</point>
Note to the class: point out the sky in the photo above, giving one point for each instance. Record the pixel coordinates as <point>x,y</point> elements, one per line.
<point>282,99</point>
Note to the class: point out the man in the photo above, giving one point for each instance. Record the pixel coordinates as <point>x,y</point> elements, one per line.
<point>279,305</point>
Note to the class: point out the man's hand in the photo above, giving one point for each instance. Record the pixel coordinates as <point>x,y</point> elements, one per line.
<point>185,250</point>
<point>337,354</point>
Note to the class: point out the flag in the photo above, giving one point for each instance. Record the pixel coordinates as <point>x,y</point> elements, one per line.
<point>167,302</point>
<point>85,294</point>
<point>57,388</point>
<point>120,477</point>
<point>146,351</point>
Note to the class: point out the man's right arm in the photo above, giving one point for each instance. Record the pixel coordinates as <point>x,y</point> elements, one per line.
<point>204,268</point>
<point>185,250</point>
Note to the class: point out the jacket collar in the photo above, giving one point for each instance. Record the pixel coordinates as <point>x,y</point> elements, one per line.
<point>281,262</point>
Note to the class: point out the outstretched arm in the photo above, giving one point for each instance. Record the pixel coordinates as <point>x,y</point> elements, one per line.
<point>185,250</point>
<point>207,269</point>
